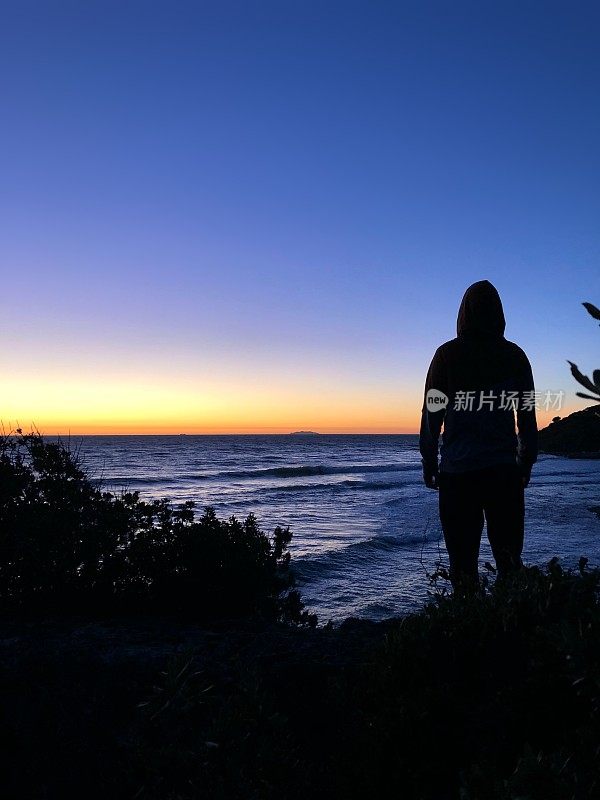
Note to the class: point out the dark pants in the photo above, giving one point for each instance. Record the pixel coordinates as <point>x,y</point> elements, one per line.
<point>465,498</point>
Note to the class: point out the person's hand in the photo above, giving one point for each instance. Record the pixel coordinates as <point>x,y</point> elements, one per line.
<point>431,477</point>
<point>525,475</point>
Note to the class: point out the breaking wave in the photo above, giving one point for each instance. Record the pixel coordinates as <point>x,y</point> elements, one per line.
<point>310,470</point>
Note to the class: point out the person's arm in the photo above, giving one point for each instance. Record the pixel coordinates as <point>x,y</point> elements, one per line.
<point>527,432</point>
<point>431,422</point>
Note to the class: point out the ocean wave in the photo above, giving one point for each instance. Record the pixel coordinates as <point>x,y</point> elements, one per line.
<point>312,470</point>
<point>311,567</point>
<point>128,481</point>
<point>338,486</point>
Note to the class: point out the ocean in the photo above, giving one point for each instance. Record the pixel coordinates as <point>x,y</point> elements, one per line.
<point>365,529</point>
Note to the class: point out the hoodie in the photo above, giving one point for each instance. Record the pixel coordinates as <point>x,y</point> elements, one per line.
<point>488,384</point>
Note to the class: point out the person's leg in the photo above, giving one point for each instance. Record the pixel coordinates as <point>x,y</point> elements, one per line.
<point>461,515</point>
<point>504,504</point>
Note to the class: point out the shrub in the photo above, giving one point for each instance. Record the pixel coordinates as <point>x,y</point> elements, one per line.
<point>68,545</point>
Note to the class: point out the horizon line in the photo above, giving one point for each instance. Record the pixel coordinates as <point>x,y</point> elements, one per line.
<point>308,434</point>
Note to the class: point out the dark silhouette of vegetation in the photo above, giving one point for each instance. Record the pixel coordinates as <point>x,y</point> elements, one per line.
<point>592,385</point>
<point>70,546</point>
<point>488,697</point>
<point>577,435</point>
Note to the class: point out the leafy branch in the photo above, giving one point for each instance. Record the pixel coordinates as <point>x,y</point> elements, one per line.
<point>593,384</point>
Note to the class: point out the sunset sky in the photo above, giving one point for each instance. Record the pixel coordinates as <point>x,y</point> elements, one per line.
<point>261,217</point>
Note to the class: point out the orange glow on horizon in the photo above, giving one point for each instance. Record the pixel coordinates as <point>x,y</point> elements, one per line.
<point>117,405</point>
<point>117,427</point>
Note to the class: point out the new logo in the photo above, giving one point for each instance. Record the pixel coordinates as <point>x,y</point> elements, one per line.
<point>435,400</point>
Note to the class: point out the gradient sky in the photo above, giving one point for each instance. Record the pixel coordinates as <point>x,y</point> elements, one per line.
<point>255,216</point>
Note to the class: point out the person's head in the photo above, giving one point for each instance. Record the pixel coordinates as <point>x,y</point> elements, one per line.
<point>480,312</point>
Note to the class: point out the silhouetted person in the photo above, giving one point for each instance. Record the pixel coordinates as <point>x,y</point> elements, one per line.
<point>484,463</point>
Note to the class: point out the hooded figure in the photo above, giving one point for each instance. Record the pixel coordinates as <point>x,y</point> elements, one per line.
<point>476,385</point>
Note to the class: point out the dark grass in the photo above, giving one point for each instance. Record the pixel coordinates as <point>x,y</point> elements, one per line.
<point>494,697</point>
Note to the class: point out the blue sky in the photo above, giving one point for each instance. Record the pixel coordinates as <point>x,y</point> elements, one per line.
<point>240,216</point>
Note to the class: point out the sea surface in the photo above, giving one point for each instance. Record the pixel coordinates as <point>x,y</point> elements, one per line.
<point>365,529</point>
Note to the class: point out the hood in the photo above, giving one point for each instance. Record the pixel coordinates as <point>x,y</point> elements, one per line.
<point>480,313</point>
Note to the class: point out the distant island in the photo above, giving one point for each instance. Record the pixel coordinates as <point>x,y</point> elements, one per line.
<point>304,433</point>
<point>576,436</point>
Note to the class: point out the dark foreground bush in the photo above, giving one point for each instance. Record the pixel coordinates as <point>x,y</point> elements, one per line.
<point>495,697</point>
<point>68,546</point>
